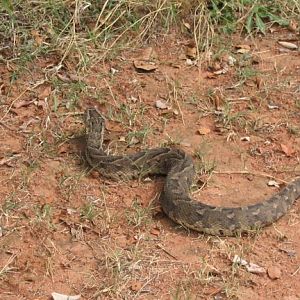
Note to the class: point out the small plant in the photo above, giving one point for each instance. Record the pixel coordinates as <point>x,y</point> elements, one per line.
<point>141,135</point>
<point>260,14</point>
<point>9,205</point>
<point>204,166</point>
<point>138,215</point>
<point>89,212</point>
<point>204,275</point>
<point>44,215</point>
<point>224,14</point>
<point>246,73</point>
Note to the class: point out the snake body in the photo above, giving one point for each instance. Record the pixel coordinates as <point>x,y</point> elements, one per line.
<point>178,168</point>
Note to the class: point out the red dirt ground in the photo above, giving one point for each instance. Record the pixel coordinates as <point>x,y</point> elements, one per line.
<point>66,230</point>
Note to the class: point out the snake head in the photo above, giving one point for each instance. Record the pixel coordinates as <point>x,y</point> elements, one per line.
<point>95,125</point>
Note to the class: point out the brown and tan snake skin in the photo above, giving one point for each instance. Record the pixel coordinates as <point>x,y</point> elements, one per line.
<point>176,202</point>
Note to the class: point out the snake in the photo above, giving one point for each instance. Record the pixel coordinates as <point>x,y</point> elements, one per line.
<point>175,198</point>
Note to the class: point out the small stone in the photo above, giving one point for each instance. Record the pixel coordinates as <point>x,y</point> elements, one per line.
<point>231,60</point>
<point>273,183</point>
<point>273,106</point>
<point>245,138</point>
<point>274,272</point>
<point>189,62</point>
<point>161,104</point>
<point>113,71</point>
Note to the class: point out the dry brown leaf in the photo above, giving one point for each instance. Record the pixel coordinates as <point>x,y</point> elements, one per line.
<point>42,104</point>
<point>203,130</point>
<point>215,66</point>
<point>37,38</point>
<point>8,161</point>
<point>242,48</point>
<point>210,75</point>
<point>288,45</point>
<point>46,91</point>
<point>258,81</point>
<point>218,101</point>
<point>293,26</point>
<point>155,231</point>
<point>75,77</point>
<point>147,53</point>
<point>22,103</point>
<point>186,25</point>
<point>141,65</point>
<point>224,70</point>
<point>63,77</point>
<point>113,126</point>
<point>255,60</point>
<point>250,83</point>
<point>64,148</point>
<point>250,267</point>
<point>287,149</point>
<point>191,52</point>
<point>228,59</point>
<point>161,104</point>
<point>175,65</point>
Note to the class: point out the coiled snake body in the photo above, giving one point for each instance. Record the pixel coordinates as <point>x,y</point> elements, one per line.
<point>176,202</point>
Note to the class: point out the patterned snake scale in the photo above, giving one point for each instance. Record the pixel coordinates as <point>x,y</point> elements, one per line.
<point>179,170</point>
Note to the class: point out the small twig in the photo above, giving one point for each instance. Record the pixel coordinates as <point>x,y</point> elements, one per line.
<point>181,113</point>
<point>106,209</point>
<point>147,282</point>
<point>6,126</point>
<point>235,85</point>
<point>71,113</point>
<point>111,92</point>
<point>6,266</point>
<point>166,251</point>
<point>297,270</point>
<point>20,95</point>
<point>238,100</point>
<point>153,198</point>
<point>6,160</point>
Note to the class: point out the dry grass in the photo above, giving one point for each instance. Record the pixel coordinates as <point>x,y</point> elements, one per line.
<point>92,31</point>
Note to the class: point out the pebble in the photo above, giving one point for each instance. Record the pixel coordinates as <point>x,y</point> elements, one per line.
<point>274,272</point>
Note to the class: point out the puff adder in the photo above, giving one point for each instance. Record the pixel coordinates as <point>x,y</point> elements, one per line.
<point>175,199</point>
